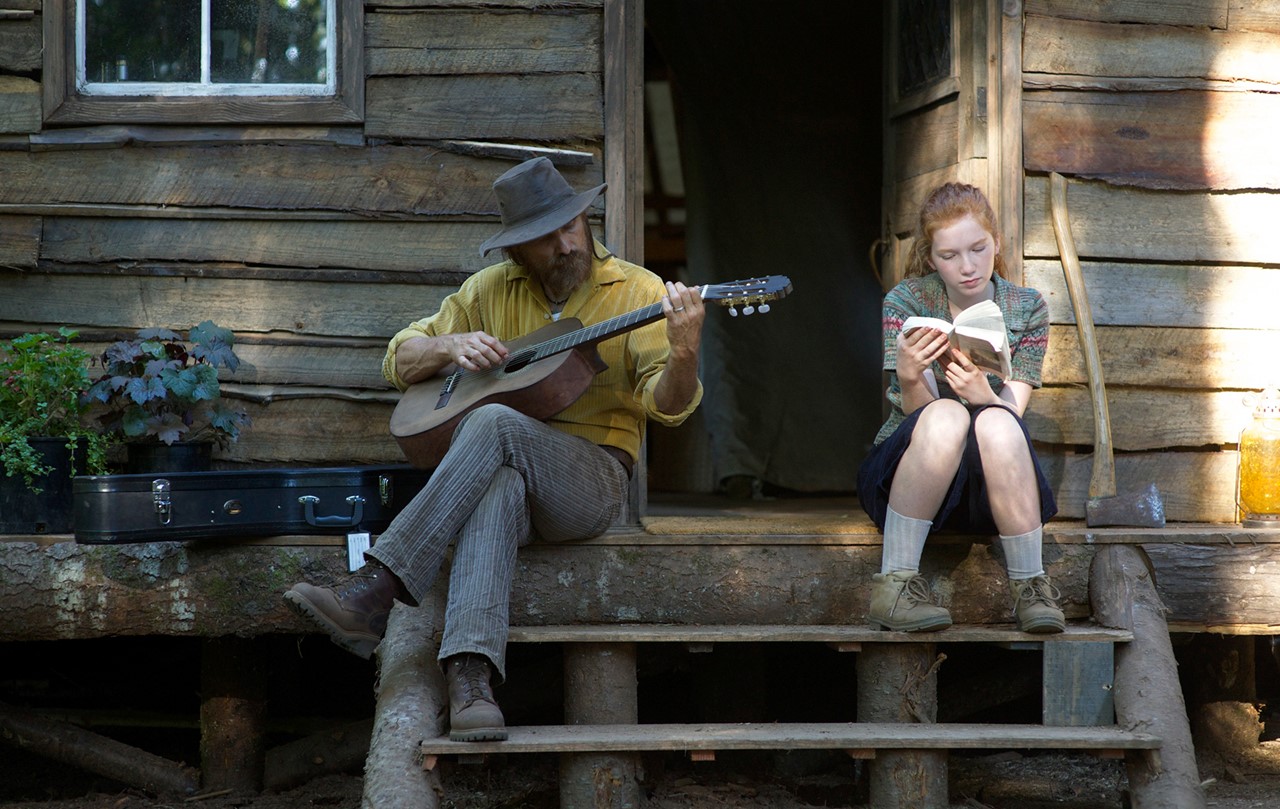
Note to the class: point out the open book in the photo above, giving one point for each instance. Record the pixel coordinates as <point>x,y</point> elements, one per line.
<point>977,331</point>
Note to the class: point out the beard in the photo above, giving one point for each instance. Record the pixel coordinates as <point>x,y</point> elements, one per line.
<point>564,273</point>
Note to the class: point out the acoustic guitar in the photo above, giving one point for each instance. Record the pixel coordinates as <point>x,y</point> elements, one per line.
<point>544,372</point>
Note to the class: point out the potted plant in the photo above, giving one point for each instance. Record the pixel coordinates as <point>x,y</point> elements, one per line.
<point>159,392</point>
<point>44,439</point>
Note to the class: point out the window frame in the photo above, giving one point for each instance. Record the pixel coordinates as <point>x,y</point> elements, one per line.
<point>65,104</point>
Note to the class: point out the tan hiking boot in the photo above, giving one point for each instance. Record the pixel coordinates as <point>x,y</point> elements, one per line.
<point>1035,605</point>
<point>474,716</point>
<point>902,601</point>
<point>353,612</point>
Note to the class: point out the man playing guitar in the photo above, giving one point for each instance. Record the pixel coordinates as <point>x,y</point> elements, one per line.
<point>506,478</point>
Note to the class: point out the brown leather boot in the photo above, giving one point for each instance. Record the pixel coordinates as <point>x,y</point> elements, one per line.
<point>354,611</point>
<point>474,716</point>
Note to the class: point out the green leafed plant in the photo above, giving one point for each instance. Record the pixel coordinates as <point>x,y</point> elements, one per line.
<point>42,380</point>
<point>157,388</point>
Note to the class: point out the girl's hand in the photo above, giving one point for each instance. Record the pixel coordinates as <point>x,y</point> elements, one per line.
<point>919,350</point>
<point>968,380</point>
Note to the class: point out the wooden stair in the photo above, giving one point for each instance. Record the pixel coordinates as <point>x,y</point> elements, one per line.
<point>1077,712</point>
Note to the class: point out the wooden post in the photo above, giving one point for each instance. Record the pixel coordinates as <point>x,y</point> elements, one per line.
<point>898,682</point>
<point>600,689</point>
<point>411,705</point>
<point>233,712</point>
<point>1148,695</point>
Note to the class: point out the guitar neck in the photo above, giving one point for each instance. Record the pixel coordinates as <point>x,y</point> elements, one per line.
<point>587,335</point>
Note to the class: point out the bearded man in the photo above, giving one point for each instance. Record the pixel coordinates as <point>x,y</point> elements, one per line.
<point>508,479</point>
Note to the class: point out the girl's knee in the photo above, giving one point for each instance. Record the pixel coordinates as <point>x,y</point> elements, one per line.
<point>998,425</point>
<point>944,418</point>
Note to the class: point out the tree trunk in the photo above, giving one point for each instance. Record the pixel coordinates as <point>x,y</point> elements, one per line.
<point>1148,695</point>
<point>410,708</point>
<point>898,682</point>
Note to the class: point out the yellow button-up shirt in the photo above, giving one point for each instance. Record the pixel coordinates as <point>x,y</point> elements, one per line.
<point>505,301</point>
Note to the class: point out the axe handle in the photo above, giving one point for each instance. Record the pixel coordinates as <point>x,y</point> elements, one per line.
<point>1102,483</point>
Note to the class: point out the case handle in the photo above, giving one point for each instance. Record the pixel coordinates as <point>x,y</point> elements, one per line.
<point>309,501</point>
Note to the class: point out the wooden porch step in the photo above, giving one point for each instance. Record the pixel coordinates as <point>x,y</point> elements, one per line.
<point>808,633</point>
<point>853,736</point>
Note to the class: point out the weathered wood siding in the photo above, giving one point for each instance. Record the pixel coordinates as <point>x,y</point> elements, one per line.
<point>1159,115</point>
<point>313,243</point>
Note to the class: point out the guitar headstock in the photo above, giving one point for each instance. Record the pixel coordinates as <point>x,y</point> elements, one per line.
<point>752,294</point>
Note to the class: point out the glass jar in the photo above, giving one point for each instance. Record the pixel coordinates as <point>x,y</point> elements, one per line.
<point>1259,493</point>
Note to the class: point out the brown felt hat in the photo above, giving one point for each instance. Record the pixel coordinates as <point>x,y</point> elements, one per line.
<point>535,200</point>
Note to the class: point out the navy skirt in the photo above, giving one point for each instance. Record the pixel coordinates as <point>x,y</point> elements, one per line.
<point>966,506</point>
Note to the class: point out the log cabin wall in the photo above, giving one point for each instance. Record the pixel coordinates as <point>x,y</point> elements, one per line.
<point>1160,116</point>
<point>313,243</point>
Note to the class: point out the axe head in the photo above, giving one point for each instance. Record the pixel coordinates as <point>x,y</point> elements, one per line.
<point>1141,509</point>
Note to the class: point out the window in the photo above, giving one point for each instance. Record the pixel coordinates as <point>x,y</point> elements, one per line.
<point>203,61</point>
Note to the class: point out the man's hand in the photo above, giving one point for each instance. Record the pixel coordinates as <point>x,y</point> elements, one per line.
<point>679,381</point>
<point>421,358</point>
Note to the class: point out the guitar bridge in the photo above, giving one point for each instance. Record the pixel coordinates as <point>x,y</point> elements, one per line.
<point>446,390</point>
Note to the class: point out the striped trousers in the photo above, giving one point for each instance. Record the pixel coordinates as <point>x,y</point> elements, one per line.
<point>506,480</point>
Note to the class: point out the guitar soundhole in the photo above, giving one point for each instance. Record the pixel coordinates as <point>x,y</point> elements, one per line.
<point>517,361</point>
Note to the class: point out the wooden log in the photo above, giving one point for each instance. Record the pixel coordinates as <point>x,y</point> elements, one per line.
<point>19,241</point>
<point>95,753</point>
<point>410,707</point>
<point>233,714</point>
<point>20,42</point>
<point>435,42</point>
<point>261,176</point>
<point>1172,140</point>
<point>1209,15</point>
<point>898,682</point>
<point>19,105</point>
<point>1148,695</point>
<point>1114,223</point>
<point>337,750</point>
<point>557,107</point>
<point>600,688</point>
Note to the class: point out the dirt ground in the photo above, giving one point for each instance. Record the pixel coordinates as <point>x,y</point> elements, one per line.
<point>794,782</point>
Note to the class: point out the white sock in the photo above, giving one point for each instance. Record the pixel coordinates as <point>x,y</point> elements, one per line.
<point>1022,554</point>
<point>903,542</point>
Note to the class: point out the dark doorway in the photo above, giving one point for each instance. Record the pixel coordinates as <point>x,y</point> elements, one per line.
<point>773,113</point>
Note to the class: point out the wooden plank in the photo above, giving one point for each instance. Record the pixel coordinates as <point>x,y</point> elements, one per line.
<point>1085,48</point>
<point>1250,15</point>
<point>1175,140</point>
<point>927,140</point>
<point>529,4</point>
<point>301,177</point>
<point>797,736</point>
<point>559,107</point>
<point>1007,157</point>
<point>1077,683</point>
<point>788,633</point>
<point>481,41</point>
<point>21,44</point>
<point>1167,357</point>
<point>1164,295</point>
<point>19,241</point>
<point>114,302</point>
<point>1195,486</point>
<point>1131,223</point>
<point>1140,419</point>
<point>125,134</point>
<point>411,247</point>
<point>315,431</point>
<point>1218,585</point>
<point>19,105</point>
<point>1210,13</point>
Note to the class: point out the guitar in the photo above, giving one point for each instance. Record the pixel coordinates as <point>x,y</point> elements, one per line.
<point>544,372</point>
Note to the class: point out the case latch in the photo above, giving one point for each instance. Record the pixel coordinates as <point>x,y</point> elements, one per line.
<point>161,500</point>
<point>385,490</point>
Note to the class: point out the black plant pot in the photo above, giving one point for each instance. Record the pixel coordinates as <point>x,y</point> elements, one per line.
<point>180,456</point>
<point>23,511</point>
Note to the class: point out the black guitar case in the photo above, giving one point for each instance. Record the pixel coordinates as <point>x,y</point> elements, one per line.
<point>154,507</point>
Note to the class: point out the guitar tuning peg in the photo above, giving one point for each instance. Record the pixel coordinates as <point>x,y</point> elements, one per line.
<point>764,307</point>
<point>733,312</point>
<point>748,309</point>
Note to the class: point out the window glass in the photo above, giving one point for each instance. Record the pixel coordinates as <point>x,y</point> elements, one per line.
<point>185,46</point>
